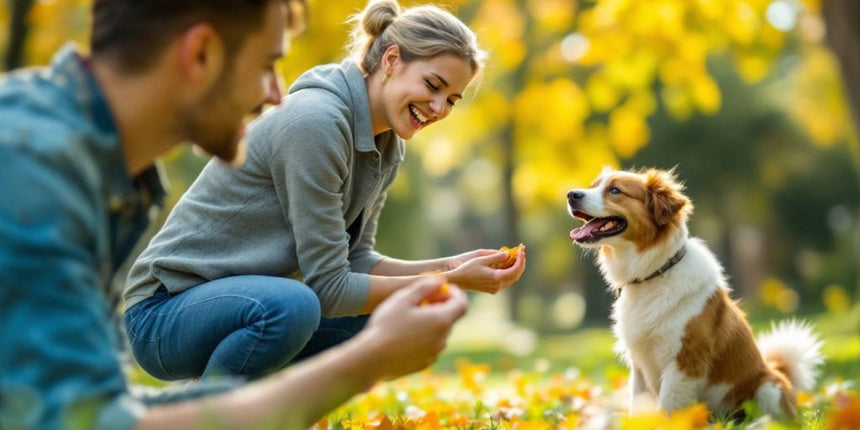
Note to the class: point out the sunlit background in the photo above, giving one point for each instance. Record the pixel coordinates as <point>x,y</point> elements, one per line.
<point>744,97</point>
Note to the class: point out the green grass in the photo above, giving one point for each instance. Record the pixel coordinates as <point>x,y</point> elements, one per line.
<point>591,350</point>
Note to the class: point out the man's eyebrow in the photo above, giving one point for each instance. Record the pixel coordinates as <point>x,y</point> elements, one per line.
<point>445,84</point>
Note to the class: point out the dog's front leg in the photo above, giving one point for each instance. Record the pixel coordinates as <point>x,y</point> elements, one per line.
<point>677,390</point>
<point>636,385</point>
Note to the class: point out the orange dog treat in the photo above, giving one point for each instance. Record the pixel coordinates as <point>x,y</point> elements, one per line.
<point>512,256</point>
<point>437,295</point>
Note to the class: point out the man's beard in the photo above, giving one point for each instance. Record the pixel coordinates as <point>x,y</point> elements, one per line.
<point>236,159</point>
<point>221,139</point>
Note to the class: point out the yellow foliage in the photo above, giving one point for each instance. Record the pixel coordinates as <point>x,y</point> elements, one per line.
<point>547,400</point>
<point>629,130</point>
<point>4,35</point>
<point>774,293</point>
<point>693,49</point>
<point>751,67</point>
<point>553,111</point>
<point>678,102</point>
<point>642,101</point>
<point>742,22</point>
<point>472,376</point>
<point>710,10</point>
<point>500,27</point>
<point>817,100</point>
<point>836,299</point>
<point>634,71</point>
<point>601,93</point>
<point>706,94</point>
<point>694,417</point>
<point>552,15</point>
<point>53,23</point>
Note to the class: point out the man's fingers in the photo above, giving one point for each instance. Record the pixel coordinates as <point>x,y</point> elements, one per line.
<point>424,287</point>
<point>455,307</point>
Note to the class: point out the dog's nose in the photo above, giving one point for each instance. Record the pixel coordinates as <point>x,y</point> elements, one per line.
<point>573,196</point>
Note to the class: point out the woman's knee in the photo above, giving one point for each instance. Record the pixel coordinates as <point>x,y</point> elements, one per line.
<point>290,309</point>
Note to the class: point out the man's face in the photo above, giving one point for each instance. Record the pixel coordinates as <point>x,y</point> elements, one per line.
<point>217,123</point>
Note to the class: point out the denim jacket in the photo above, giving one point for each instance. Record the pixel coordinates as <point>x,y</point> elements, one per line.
<point>69,215</point>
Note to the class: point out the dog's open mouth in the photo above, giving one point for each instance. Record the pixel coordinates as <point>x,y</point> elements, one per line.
<point>596,228</point>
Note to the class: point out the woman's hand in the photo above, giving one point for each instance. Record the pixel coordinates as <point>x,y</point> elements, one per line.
<point>458,260</point>
<point>475,270</point>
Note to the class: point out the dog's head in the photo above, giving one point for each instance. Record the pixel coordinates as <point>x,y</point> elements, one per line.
<point>637,207</point>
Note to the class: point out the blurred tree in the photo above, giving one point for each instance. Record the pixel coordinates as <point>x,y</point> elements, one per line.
<point>843,34</point>
<point>18,30</point>
<point>739,93</point>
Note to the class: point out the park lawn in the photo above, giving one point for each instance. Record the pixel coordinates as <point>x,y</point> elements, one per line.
<point>576,381</point>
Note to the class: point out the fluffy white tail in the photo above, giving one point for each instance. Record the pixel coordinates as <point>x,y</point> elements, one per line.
<point>795,350</point>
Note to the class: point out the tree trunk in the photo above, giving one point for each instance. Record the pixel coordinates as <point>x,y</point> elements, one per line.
<point>842,20</point>
<point>18,30</point>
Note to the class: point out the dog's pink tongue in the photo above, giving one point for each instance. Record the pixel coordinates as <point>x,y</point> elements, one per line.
<point>584,231</point>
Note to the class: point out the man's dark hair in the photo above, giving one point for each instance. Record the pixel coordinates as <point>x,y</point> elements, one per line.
<point>132,33</point>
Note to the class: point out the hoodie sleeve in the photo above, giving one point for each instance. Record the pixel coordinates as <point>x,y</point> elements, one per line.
<point>310,160</point>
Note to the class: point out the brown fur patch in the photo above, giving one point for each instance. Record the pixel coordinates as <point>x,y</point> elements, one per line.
<point>719,344</point>
<point>666,199</point>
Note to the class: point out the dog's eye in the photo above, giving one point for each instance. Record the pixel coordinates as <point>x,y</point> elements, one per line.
<point>614,190</point>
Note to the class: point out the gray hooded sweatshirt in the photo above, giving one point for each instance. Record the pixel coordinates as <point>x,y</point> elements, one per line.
<point>304,205</point>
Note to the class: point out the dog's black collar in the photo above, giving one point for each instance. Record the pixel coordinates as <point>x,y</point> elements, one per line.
<point>672,261</point>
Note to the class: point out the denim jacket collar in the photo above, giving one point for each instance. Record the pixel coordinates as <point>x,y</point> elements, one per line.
<point>70,71</point>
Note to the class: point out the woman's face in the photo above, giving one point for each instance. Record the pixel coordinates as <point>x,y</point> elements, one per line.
<point>422,92</point>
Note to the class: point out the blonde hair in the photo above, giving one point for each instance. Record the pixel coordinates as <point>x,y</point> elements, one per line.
<point>421,32</point>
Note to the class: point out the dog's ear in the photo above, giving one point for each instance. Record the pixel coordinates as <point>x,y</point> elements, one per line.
<point>666,199</point>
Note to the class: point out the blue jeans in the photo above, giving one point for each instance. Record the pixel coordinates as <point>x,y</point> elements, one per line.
<point>243,326</point>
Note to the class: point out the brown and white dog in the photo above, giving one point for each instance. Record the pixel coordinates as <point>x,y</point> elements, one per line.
<point>684,338</point>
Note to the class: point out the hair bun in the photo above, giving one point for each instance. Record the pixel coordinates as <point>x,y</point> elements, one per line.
<point>378,15</point>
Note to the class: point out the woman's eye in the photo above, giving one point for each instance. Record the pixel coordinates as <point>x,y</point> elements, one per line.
<point>431,86</point>
<point>452,102</point>
<point>614,190</point>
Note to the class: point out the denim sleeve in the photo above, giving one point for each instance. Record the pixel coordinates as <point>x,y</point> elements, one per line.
<point>58,360</point>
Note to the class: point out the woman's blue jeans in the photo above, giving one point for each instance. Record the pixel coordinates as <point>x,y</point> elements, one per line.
<point>242,326</point>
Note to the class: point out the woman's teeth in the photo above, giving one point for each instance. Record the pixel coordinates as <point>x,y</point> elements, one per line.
<point>421,118</point>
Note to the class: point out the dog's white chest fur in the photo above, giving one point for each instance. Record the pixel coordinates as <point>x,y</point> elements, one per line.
<point>650,318</point>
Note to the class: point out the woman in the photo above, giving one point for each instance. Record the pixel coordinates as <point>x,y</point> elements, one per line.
<point>223,288</point>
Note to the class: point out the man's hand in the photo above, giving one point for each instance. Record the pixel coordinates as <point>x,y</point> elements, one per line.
<point>407,335</point>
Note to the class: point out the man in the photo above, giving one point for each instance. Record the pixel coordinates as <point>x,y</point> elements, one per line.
<point>77,144</point>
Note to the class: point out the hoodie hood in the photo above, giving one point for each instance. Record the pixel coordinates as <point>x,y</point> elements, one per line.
<point>346,82</point>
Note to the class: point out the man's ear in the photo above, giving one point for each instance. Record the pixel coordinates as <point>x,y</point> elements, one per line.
<point>202,56</point>
<point>390,59</point>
